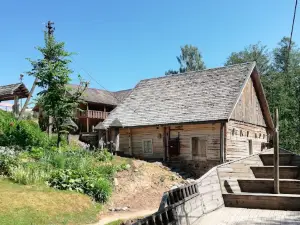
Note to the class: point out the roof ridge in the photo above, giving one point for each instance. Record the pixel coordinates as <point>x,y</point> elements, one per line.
<point>122,90</point>
<point>98,89</point>
<point>19,83</point>
<point>197,71</point>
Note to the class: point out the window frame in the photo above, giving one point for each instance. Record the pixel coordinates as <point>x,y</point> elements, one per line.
<point>143,146</point>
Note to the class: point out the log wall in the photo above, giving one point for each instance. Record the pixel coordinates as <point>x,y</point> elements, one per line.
<point>211,132</point>
<point>238,135</point>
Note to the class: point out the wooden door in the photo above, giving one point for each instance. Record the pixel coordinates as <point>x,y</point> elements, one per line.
<point>174,147</point>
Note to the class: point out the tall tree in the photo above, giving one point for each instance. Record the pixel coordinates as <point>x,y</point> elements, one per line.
<point>189,60</point>
<point>281,80</point>
<point>53,75</point>
<point>256,52</point>
<point>285,93</point>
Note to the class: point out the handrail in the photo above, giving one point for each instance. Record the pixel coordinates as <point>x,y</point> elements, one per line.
<point>94,114</point>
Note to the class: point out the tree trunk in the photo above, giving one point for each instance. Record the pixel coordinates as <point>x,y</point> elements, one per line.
<point>28,98</point>
<point>58,139</point>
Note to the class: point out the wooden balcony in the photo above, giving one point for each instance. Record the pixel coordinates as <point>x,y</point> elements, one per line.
<point>92,114</point>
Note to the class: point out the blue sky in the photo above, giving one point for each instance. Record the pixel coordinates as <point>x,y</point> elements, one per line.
<point>122,42</point>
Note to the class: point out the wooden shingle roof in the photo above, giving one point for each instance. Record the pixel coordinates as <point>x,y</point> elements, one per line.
<point>7,92</point>
<point>94,95</point>
<point>207,95</point>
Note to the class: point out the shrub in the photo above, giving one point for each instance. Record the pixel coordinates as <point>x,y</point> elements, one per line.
<point>7,159</point>
<point>25,133</point>
<point>36,152</point>
<point>76,160</point>
<point>97,187</point>
<point>28,174</point>
<point>103,155</point>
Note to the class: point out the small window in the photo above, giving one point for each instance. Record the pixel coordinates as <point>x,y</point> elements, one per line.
<point>241,133</point>
<point>147,146</point>
<point>198,146</point>
<point>248,133</point>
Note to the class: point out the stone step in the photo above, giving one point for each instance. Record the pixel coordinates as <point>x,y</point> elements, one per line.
<point>285,172</point>
<point>286,186</point>
<point>285,159</point>
<point>263,201</point>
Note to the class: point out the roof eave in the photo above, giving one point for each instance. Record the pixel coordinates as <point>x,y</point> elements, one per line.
<point>173,124</point>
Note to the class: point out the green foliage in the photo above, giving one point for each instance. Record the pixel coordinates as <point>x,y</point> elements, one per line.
<point>66,168</point>
<point>24,133</point>
<point>98,188</point>
<point>123,166</point>
<point>189,60</point>
<point>75,160</point>
<point>28,173</point>
<point>78,170</point>
<point>170,72</point>
<point>53,74</point>
<point>116,222</point>
<point>8,159</point>
<point>103,156</point>
<point>256,52</point>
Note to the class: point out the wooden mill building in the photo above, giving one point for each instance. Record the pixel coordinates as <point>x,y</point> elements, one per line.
<point>200,118</point>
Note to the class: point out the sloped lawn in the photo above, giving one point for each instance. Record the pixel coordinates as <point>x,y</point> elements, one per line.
<point>27,204</point>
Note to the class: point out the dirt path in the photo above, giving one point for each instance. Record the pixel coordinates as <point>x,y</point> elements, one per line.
<point>123,216</point>
<point>138,188</point>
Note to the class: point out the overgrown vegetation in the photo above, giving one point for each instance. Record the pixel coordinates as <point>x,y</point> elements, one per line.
<point>24,134</point>
<point>35,160</point>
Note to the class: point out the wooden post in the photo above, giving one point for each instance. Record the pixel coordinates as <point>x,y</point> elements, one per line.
<point>276,153</point>
<point>250,146</point>
<point>129,141</point>
<point>16,105</point>
<point>104,113</point>
<point>222,138</point>
<point>87,118</point>
<point>106,138</point>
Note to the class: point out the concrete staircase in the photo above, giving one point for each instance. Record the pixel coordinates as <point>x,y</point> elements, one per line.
<point>255,189</point>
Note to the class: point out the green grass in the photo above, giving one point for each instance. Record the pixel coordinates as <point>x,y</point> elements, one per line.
<point>117,222</point>
<point>25,204</point>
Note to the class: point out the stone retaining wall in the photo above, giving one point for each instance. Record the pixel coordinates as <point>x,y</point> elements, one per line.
<point>188,203</point>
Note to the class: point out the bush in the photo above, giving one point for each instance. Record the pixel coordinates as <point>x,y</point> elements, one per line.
<point>25,133</point>
<point>75,160</point>
<point>28,174</point>
<point>103,155</point>
<point>8,158</point>
<point>98,188</point>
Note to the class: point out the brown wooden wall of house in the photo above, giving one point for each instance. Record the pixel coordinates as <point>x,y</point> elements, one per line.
<point>238,135</point>
<point>210,131</point>
<point>248,108</point>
